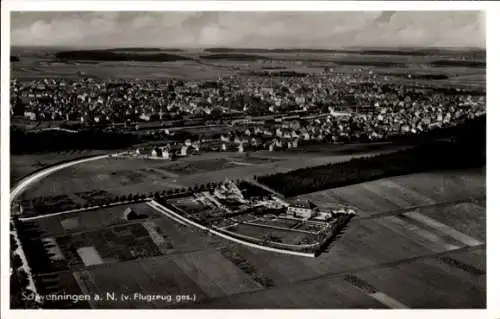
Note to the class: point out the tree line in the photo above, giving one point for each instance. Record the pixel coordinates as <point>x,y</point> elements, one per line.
<point>465,148</point>
<point>105,55</point>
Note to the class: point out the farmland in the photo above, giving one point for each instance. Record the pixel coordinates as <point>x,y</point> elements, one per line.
<point>418,240</point>
<point>196,64</point>
<point>390,237</point>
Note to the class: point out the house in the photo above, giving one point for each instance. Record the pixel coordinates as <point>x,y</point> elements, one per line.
<point>145,117</point>
<point>323,216</point>
<point>165,154</point>
<point>30,116</point>
<point>196,146</point>
<point>184,150</point>
<point>302,209</point>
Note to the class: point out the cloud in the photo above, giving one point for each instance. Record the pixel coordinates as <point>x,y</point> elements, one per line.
<point>249,29</point>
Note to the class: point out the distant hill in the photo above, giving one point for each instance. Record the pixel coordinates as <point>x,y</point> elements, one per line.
<point>234,57</point>
<point>472,53</point>
<point>144,50</point>
<point>458,63</point>
<point>107,55</point>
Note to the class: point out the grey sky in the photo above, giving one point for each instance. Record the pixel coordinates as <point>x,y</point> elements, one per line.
<point>249,29</point>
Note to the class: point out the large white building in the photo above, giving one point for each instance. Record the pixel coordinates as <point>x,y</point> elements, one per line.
<point>302,209</point>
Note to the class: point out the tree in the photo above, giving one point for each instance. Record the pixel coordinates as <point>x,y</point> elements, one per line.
<point>16,261</point>
<point>13,243</point>
<point>23,278</point>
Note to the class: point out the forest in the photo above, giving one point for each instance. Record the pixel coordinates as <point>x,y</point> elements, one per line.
<point>106,55</point>
<point>453,148</point>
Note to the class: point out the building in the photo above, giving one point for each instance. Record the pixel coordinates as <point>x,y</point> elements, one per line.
<point>184,150</point>
<point>196,146</point>
<point>30,116</point>
<point>165,154</point>
<point>302,209</point>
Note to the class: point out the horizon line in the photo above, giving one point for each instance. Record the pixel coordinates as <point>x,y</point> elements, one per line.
<point>252,48</point>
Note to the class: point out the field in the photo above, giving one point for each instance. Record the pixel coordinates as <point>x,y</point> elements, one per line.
<point>129,176</point>
<point>425,230</point>
<point>284,223</point>
<point>203,65</point>
<point>200,166</point>
<point>91,220</point>
<point>418,241</point>
<point>23,165</point>
<point>284,236</point>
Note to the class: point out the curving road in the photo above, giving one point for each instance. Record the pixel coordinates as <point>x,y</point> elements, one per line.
<point>20,187</point>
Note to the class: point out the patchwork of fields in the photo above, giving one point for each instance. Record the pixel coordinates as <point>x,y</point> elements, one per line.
<point>418,241</point>
<point>391,66</point>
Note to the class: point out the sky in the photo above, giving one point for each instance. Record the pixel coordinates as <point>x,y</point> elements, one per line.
<point>249,29</point>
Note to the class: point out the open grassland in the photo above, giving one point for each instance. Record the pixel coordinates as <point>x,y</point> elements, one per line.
<point>23,165</point>
<point>125,176</point>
